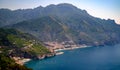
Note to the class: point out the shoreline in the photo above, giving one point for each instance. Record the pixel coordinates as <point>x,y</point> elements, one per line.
<point>25,60</point>
<point>21,61</point>
<point>71,48</point>
<point>57,52</point>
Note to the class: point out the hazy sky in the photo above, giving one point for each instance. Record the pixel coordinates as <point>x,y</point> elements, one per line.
<point>98,8</point>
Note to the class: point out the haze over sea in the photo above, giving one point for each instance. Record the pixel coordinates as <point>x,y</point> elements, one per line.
<point>92,58</point>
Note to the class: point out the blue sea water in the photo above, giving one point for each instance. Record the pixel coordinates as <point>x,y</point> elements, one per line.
<point>92,58</point>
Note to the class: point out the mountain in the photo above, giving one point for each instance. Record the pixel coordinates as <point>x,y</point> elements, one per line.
<point>45,28</point>
<point>63,22</point>
<point>7,16</point>
<point>14,43</point>
<point>16,46</point>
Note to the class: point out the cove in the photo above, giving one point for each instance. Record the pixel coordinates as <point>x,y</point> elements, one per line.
<point>91,58</point>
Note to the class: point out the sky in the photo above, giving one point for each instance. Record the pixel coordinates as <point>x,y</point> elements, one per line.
<point>105,9</point>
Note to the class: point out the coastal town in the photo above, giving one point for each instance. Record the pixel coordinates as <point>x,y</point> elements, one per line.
<point>54,47</point>
<point>66,45</point>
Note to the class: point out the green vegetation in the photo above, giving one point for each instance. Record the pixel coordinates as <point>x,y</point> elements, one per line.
<point>19,42</point>
<point>22,42</point>
<point>14,43</point>
<point>62,22</point>
<point>80,30</point>
<point>45,28</point>
<point>7,63</point>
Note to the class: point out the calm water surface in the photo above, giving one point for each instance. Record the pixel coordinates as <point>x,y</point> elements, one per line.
<point>92,58</point>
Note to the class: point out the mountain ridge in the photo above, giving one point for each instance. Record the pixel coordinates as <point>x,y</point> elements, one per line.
<point>66,22</point>
<point>25,14</point>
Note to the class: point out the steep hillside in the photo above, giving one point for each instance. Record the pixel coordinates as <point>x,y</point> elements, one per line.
<point>17,44</point>
<point>45,28</point>
<point>6,63</point>
<point>65,22</point>
<point>51,29</point>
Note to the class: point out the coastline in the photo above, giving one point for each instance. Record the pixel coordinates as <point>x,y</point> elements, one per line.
<point>22,61</point>
<point>71,48</point>
<point>59,51</point>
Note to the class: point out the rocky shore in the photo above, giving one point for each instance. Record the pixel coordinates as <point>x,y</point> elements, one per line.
<point>55,52</point>
<point>21,61</point>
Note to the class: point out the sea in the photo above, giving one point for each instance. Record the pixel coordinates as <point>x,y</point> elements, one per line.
<point>91,58</point>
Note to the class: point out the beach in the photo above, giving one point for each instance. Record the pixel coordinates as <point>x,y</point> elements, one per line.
<point>21,61</point>
<point>71,48</point>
